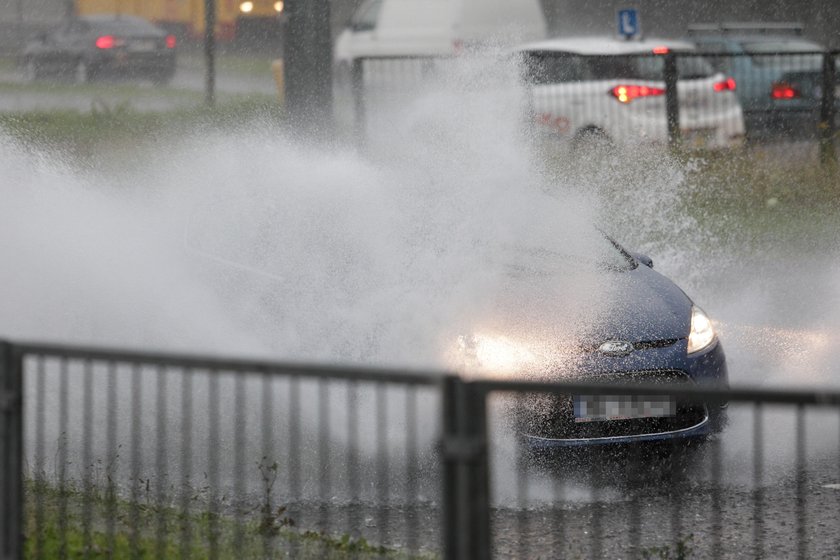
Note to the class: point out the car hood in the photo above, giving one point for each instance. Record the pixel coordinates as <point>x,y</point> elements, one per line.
<point>643,306</point>
<point>635,305</point>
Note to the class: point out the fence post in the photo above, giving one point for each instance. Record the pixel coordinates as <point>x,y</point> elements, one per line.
<point>672,106</point>
<point>827,110</point>
<point>210,52</point>
<point>357,86</point>
<point>11,458</point>
<point>466,480</point>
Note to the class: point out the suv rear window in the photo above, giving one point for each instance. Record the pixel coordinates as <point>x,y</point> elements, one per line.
<point>689,67</point>
<point>552,68</point>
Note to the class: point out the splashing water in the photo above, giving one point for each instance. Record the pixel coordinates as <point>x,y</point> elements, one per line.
<point>258,243</point>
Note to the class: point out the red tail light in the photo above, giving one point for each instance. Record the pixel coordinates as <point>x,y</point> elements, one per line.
<point>784,91</point>
<point>105,42</point>
<point>661,50</point>
<point>626,94</point>
<point>171,41</point>
<point>727,85</point>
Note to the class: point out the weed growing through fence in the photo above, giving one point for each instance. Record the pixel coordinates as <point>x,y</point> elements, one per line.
<point>682,550</point>
<point>272,520</point>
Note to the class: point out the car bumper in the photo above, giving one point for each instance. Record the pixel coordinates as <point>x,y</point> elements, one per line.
<point>542,428</point>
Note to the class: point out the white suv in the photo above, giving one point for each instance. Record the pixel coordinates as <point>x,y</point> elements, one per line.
<point>614,89</point>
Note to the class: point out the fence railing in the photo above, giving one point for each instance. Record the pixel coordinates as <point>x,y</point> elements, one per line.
<point>176,456</point>
<point>154,455</point>
<point>681,99</point>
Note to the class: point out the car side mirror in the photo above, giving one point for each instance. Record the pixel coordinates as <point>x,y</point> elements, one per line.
<point>643,259</point>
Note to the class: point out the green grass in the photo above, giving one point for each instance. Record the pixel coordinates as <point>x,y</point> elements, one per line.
<point>114,134</point>
<point>743,199</point>
<point>102,90</point>
<point>231,63</point>
<point>96,523</point>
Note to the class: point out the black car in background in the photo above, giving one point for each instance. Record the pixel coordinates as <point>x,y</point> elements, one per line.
<point>88,47</point>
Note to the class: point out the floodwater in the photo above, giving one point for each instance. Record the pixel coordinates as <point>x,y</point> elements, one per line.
<point>258,243</point>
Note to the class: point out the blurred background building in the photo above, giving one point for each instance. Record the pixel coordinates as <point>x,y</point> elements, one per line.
<point>20,19</point>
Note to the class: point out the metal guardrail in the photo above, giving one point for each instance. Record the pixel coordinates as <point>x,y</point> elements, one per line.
<point>343,466</point>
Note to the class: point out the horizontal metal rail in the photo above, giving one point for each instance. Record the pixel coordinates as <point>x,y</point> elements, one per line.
<point>812,397</point>
<point>226,364</point>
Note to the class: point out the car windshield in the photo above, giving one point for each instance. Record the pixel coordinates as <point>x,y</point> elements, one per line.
<point>528,261</point>
<point>123,26</point>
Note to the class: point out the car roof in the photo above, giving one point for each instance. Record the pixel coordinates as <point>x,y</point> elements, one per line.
<point>122,22</point>
<point>606,45</point>
<point>111,18</point>
<point>755,38</point>
<point>789,28</point>
<point>753,32</point>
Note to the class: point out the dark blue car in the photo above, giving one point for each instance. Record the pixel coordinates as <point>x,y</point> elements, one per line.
<point>654,333</point>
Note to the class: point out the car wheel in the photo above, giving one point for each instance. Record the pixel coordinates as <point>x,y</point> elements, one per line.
<point>592,140</point>
<point>82,72</point>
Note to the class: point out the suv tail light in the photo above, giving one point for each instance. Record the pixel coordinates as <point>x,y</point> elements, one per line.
<point>782,90</point>
<point>727,85</point>
<point>171,41</point>
<point>626,94</point>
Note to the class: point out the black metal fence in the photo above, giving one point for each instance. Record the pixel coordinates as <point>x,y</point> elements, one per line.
<point>125,454</point>
<point>683,99</point>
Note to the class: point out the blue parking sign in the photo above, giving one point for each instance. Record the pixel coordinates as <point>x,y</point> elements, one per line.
<point>628,23</point>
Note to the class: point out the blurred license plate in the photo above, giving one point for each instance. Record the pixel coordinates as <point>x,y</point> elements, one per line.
<point>598,408</point>
<point>141,46</point>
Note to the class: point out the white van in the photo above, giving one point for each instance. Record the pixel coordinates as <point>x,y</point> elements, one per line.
<point>392,28</point>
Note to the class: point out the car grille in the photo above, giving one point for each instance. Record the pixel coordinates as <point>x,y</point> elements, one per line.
<point>552,416</point>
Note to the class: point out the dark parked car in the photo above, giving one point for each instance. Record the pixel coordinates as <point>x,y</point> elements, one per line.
<point>778,72</point>
<point>652,333</point>
<point>88,47</point>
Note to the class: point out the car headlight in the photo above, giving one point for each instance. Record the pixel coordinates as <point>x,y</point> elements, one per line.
<point>702,333</point>
<point>246,7</point>
<point>494,355</point>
